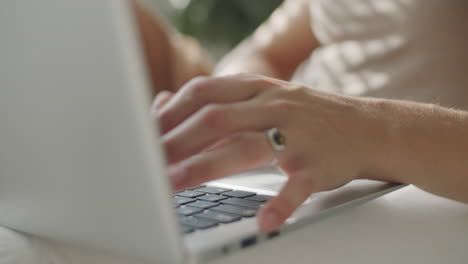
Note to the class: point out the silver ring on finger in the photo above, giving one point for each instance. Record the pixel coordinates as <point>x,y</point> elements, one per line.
<point>276,138</point>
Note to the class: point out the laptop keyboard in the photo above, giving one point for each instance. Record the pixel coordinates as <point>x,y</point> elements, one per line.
<point>205,206</point>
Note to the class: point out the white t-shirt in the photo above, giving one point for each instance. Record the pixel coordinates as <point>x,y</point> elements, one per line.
<point>406,49</point>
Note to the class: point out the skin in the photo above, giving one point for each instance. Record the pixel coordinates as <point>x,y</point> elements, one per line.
<point>288,29</point>
<point>331,139</point>
<point>174,59</point>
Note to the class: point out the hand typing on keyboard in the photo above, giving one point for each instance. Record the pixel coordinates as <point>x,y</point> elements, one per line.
<point>214,127</point>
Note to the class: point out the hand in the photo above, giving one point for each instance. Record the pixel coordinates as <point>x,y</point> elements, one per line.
<point>172,58</point>
<point>214,127</point>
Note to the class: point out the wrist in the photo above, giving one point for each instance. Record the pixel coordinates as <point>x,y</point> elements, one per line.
<point>382,133</point>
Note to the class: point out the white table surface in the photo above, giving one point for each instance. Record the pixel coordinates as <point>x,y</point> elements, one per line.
<point>406,226</point>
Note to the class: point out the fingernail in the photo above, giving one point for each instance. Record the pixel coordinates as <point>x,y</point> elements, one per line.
<point>269,221</point>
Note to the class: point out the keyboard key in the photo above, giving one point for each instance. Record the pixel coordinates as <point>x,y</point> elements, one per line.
<point>190,194</point>
<point>196,187</point>
<point>188,210</point>
<point>259,198</point>
<point>234,209</point>
<point>187,229</point>
<point>238,194</point>
<point>219,216</point>
<point>181,200</point>
<point>211,197</point>
<point>197,223</point>
<point>203,204</point>
<point>242,202</point>
<point>213,190</point>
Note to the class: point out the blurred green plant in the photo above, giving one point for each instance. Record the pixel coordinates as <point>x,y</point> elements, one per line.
<point>221,24</point>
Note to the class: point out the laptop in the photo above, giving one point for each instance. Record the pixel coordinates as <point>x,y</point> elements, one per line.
<point>81,160</point>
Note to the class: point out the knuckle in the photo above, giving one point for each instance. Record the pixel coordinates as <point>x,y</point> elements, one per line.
<point>260,81</point>
<point>296,92</point>
<point>163,94</point>
<point>244,76</point>
<point>197,80</point>
<point>283,106</point>
<point>254,80</point>
<point>214,117</point>
<point>199,86</point>
<point>288,94</point>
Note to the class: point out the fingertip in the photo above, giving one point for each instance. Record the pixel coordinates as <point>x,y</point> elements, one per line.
<point>280,208</point>
<point>160,100</point>
<point>164,93</point>
<point>269,220</point>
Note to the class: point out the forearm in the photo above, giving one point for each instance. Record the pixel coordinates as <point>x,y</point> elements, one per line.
<point>172,58</point>
<point>277,47</point>
<point>246,59</point>
<point>189,60</point>
<point>424,145</point>
<point>158,51</point>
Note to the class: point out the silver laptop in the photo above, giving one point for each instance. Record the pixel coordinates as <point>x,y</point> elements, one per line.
<point>80,159</point>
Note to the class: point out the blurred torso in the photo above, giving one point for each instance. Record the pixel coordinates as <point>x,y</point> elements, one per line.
<point>404,49</point>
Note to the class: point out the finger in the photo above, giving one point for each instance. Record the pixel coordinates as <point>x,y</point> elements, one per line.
<point>244,151</point>
<point>202,91</point>
<point>298,188</point>
<point>211,124</point>
<point>161,99</point>
<point>216,145</point>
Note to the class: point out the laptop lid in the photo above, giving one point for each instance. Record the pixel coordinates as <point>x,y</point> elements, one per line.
<point>79,160</point>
